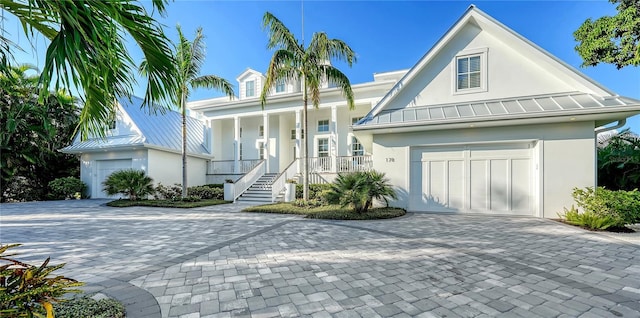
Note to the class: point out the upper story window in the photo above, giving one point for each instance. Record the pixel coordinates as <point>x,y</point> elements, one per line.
<point>112,124</point>
<point>250,88</point>
<point>280,86</point>
<point>261,150</point>
<point>293,134</point>
<point>354,120</point>
<point>470,71</point>
<point>356,147</point>
<point>261,131</point>
<point>323,125</point>
<point>323,147</point>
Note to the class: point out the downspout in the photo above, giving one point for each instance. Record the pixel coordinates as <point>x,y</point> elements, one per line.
<point>598,131</point>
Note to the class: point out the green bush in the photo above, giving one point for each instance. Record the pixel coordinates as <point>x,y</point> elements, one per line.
<point>315,190</point>
<point>359,189</point>
<point>87,307</point>
<point>21,189</point>
<point>134,184</point>
<point>215,185</point>
<point>168,192</point>
<point>619,161</point>
<point>206,192</point>
<point>622,205</point>
<point>66,188</point>
<point>28,290</point>
<point>332,212</point>
<point>591,220</point>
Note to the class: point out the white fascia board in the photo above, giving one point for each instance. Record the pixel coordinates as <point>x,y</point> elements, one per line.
<point>508,120</point>
<point>190,154</point>
<point>289,97</point>
<point>105,149</point>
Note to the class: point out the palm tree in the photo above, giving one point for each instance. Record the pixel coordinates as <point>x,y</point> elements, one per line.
<point>292,61</point>
<point>87,50</point>
<point>189,58</point>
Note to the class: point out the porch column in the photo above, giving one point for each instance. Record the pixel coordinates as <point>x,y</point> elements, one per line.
<point>265,145</point>
<point>333,146</point>
<point>298,138</point>
<point>236,144</point>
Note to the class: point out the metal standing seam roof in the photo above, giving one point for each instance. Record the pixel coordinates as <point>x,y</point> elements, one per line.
<point>528,106</point>
<point>159,130</point>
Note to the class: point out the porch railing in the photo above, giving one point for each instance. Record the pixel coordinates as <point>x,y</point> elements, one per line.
<point>229,166</point>
<point>242,184</point>
<point>279,183</point>
<point>340,164</point>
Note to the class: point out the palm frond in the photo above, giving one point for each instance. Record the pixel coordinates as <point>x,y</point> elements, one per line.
<point>279,69</point>
<point>213,82</point>
<point>327,49</point>
<point>279,35</point>
<point>335,76</point>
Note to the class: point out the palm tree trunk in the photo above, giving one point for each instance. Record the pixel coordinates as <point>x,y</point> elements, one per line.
<point>305,142</point>
<point>184,146</point>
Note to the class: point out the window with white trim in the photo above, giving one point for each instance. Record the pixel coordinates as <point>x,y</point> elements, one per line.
<point>250,88</point>
<point>293,134</point>
<point>356,147</point>
<point>261,149</point>
<point>261,131</point>
<point>240,152</point>
<point>280,86</point>
<point>323,125</point>
<point>354,120</point>
<point>323,147</point>
<point>469,72</point>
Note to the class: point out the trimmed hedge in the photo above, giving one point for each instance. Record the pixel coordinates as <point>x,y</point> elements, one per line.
<point>315,190</point>
<point>603,208</point>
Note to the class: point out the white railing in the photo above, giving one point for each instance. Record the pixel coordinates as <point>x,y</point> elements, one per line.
<point>242,184</point>
<point>340,164</point>
<point>353,163</point>
<point>229,166</point>
<point>279,183</point>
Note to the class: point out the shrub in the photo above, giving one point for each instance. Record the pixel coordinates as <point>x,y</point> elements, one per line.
<point>619,161</point>
<point>134,184</point>
<point>359,189</point>
<point>87,307</point>
<point>168,192</point>
<point>66,188</point>
<point>591,220</point>
<point>215,185</point>
<point>28,290</point>
<point>622,205</point>
<point>315,189</point>
<point>20,189</point>
<point>206,192</point>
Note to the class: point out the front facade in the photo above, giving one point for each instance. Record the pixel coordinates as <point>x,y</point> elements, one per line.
<point>486,122</point>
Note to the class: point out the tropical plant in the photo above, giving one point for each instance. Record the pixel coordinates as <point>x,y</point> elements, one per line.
<point>611,39</point>
<point>590,219</point>
<point>619,161</point>
<point>359,189</point>
<point>292,61</point>
<point>87,307</point>
<point>27,290</point>
<point>33,130</point>
<point>87,50</point>
<point>189,58</point>
<point>620,205</point>
<point>134,184</point>
<point>66,188</point>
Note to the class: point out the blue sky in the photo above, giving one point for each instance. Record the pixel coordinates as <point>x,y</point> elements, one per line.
<point>386,35</point>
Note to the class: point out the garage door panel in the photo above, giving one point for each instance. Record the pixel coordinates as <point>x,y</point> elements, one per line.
<point>484,179</point>
<point>104,169</point>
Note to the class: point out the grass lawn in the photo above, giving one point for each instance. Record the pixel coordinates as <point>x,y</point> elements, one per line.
<point>165,203</point>
<point>333,212</point>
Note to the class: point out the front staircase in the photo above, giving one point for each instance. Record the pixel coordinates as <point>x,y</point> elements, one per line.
<point>260,191</point>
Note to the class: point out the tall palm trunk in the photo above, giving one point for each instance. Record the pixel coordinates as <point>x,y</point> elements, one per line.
<point>184,147</point>
<point>305,142</point>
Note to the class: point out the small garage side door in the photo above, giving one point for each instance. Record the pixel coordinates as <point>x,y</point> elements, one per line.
<point>106,168</point>
<point>492,179</point>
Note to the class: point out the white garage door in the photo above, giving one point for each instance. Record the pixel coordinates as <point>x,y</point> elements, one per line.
<point>104,169</point>
<point>479,179</point>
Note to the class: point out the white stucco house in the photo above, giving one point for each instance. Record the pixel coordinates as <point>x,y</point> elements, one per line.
<point>485,122</point>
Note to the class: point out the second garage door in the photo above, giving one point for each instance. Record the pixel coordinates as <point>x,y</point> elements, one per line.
<point>495,179</point>
<point>106,168</point>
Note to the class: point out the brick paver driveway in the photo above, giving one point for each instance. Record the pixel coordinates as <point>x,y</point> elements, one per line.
<point>215,262</point>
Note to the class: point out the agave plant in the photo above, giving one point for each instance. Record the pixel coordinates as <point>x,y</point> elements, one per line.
<point>359,189</point>
<point>134,184</point>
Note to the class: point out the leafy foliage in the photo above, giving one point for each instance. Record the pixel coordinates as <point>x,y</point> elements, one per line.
<point>27,290</point>
<point>312,65</point>
<point>315,190</point>
<point>134,184</point>
<point>332,212</point>
<point>611,39</point>
<point>171,192</point>
<point>590,219</point>
<point>359,189</point>
<point>87,307</point>
<point>621,207</point>
<point>66,188</point>
<point>88,50</point>
<point>619,162</point>
<point>32,132</point>
<point>207,193</point>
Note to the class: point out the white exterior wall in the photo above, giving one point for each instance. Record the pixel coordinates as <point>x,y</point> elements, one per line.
<point>88,166</point>
<point>566,153</point>
<point>166,167</point>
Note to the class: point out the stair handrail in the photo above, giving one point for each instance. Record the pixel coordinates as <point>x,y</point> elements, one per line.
<point>247,180</point>
<point>279,183</point>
